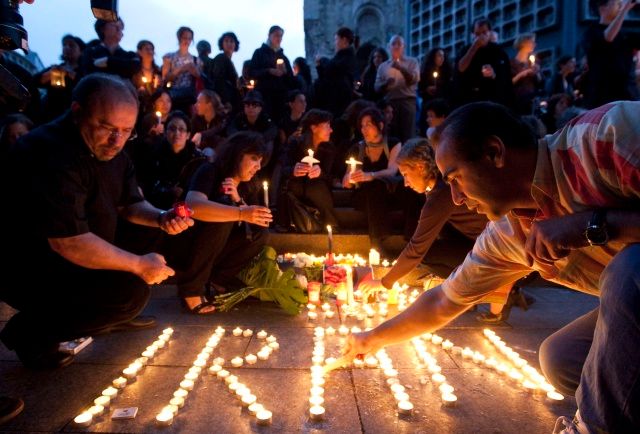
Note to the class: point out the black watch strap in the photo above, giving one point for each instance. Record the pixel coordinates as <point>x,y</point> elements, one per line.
<point>598,218</point>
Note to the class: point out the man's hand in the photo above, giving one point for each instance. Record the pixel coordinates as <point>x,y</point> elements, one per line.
<point>370,287</point>
<point>153,268</point>
<point>481,41</point>
<point>553,239</point>
<point>173,224</point>
<point>359,343</point>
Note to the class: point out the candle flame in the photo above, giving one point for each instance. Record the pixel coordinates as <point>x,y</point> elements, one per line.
<point>265,184</point>
<point>329,229</point>
<point>435,74</point>
<point>145,80</point>
<point>251,82</point>
<point>310,151</point>
<point>159,113</point>
<point>532,59</point>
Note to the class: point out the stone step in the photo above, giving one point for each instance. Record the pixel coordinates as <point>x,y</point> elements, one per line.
<point>317,244</point>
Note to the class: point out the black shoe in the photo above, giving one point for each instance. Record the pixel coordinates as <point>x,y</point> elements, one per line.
<point>10,408</point>
<point>43,358</point>
<point>140,322</point>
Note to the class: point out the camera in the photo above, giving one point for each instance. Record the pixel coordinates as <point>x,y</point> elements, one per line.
<point>12,33</point>
<point>105,9</point>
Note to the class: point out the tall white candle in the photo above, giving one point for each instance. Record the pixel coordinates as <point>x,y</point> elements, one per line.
<point>265,188</point>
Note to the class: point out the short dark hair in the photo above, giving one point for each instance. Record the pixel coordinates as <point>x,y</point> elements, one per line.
<point>214,99</point>
<point>482,22</point>
<point>231,151</point>
<point>178,114</point>
<point>229,35</point>
<point>100,25</point>
<point>144,42</point>
<point>79,42</point>
<point>594,5</point>
<point>94,87</point>
<point>377,117</point>
<point>471,126</point>
<point>183,29</point>
<point>346,32</point>
<point>293,94</point>
<point>314,117</point>
<point>419,150</point>
<point>275,29</point>
<point>438,106</point>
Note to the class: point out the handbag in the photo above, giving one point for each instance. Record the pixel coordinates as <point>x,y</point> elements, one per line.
<point>305,218</point>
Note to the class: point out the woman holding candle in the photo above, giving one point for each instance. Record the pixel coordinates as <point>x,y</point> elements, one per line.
<point>435,80</point>
<point>149,77</point>
<point>223,73</point>
<point>310,184</point>
<point>230,228</point>
<point>525,72</point>
<point>375,180</point>
<point>209,123</point>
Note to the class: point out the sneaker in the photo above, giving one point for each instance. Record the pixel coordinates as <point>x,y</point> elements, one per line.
<point>564,425</point>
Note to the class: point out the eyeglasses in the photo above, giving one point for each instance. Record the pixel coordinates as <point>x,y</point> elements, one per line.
<point>175,129</point>
<point>115,133</point>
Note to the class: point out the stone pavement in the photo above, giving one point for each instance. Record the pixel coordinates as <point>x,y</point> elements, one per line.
<point>357,400</point>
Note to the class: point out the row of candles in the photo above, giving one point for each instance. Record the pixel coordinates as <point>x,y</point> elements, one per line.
<point>403,402</point>
<point>129,375</point>
<point>449,399</point>
<point>242,392</point>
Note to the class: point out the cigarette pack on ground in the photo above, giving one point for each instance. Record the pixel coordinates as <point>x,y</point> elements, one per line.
<point>75,346</point>
<point>124,413</point>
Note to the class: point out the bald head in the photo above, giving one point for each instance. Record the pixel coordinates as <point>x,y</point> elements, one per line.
<point>102,88</point>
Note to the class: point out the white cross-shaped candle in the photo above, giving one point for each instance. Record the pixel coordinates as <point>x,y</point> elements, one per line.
<point>353,165</point>
<point>309,159</point>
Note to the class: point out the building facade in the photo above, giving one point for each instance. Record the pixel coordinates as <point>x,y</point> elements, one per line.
<point>558,24</point>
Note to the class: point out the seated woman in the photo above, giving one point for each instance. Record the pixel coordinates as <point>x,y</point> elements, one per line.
<point>308,183</point>
<point>375,179</point>
<point>438,252</point>
<point>209,123</point>
<point>230,228</point>
<point>165,175</point>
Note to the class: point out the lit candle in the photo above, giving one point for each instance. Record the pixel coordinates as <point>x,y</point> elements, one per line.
<point>262,334</point>
<point>309,159</point>
<point>330,238</point>
<point>236,362</point>
<point>405,407</point>
<point>251,85</point>
<point>316,400</point>
<point>435,78</point>
<point>83,419</point>
<point>159,116</point>
<point>280,62</point>
<point>247,333</point>
<point>186,384</point>
<point>178,401</point>
<point>263,355</point>
<point>445,388</point>
<point>231,379</point>
<point>374,257</point>
<point>274,345</point>
<point>330,331</point>
<point>255,408</point>
<point>532,59</point>
<point>110,392</point>
<point>96,410</point>
<point>214,369</point>
<point>554,396</point>
<point>248,399</point>
<point>191,376</point>
<point>165,418</point>
<point>119,383</point>
<point>449,400</point>
<point>173,409</point>
<point>251,359</point>
<point>237,331</point>
<point>329,314</point>
<point>271,338</point>
<point>265,190</point>
<point>353,165</point>
<point>263,417</point>
<point>316,412</point>
<point>438,378</point>
<point>312,315</point>
<point>180,393</point>
<point>103,401</point>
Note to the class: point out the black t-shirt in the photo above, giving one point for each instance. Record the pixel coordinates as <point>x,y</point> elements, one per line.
<point>611,68</point>
<point>61,190</point>
<point>208,180</point>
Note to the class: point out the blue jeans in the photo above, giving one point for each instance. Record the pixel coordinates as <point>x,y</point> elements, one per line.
<point>597,356</point>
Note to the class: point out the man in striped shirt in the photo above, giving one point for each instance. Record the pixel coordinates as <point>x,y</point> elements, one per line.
<point>568,207</point>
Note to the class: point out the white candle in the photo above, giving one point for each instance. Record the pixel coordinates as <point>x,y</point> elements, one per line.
<point>449,399</point>
<point>237,362</point>
<point>312,315</point>
<point>554,396</point>
<point>191,376</point>
<point>214,369</point>
<point>343,330</point>
<point>173,409</point>
<point>316,412</point>
<point>159,116</point>
<point>218,361</point>
<point>262,334</point>
<point>231,379</point>
<point>263,417</point>
<point>353,165</point>
<point>374,257</point>
<point>119,383</point>
<point>165,418</point>
<point>178,401</point>
<point>271,338</point>
<point>405,407</point>
<point>83,419</point>
<point>180,393</point>
<point>103,401</point>
<point>248,399</point>
<point>195,370</point>
<point>130,373</point>
<point>255,407</point>
<point>251,359</point>
<point>371,361</point>
<point>274,345</point>
<point>330,331</point>
<point>330,238</point>
<point>316,391</point>
<point>397,388</point>
<point>186,385</point>
<point>532,59</point>
<point>401,396</point>
<point>280,62</point>
<point>438,378</point>
<point>237,331</point>
<point>247,333</point>
<point>265,188</point>
<point>110,392</point>
<point>263,355</point>
<point>96,410</point>
<point>329,314</point>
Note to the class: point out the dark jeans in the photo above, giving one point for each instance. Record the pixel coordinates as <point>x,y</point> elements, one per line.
<point>597,356</point>
<point>404,118</point>
<point>215,252</point>
<point>62,302</point>
<point>314,192</point>
<point>374,199</point>
<point>445,255</point>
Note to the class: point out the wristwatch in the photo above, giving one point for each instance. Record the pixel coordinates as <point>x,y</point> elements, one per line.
<point>596,232</point>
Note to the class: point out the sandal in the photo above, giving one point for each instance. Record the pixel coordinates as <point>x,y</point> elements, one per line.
<point>197,310</point>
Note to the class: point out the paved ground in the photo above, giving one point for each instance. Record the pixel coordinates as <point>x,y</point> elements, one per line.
<point>357,400</point>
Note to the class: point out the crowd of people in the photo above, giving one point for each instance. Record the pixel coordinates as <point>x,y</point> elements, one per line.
<point>507,165</point>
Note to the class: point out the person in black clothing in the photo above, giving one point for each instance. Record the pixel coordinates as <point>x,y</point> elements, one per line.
<point>302,74</point>
<point>435,83</point>
<point>609,50</point>
<point>166,175</point>
<point>254,118</point>
<point>71,182</point>
<point>230,227</point>
<point>222,73</point>
<point>376,178</point>
<point>309,183</point>
<point>59,80</point>
<point>333,91</point>
<point>108,56</point>
<point>209,122</point>
<point>149,79</point>
<point>562,80</point>
<point>368,80</point>
<point>272,73</point>
<point>483,72</point>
